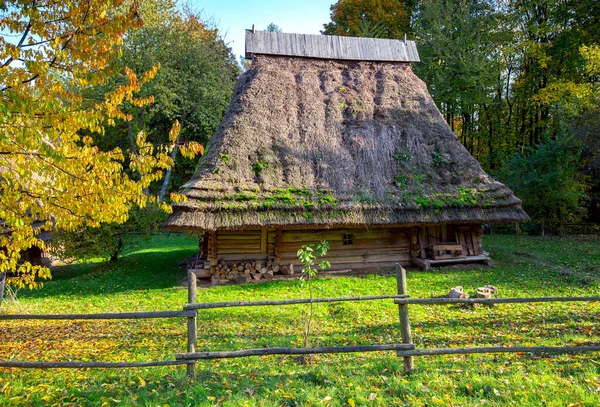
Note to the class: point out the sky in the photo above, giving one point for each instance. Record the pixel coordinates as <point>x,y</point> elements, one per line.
<point>233,17</point>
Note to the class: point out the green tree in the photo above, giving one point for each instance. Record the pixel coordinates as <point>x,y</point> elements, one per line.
<point>363,18</point>
<point>274,28</point>
<point>193,86</point>
<point>547,180</point>
<point>54,175</point>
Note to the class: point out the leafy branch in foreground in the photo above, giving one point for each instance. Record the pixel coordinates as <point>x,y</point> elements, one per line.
<point>54,176</point>
<point>308,255</point>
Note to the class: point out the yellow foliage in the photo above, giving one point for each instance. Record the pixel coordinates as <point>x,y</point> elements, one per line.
<point>51,175</point>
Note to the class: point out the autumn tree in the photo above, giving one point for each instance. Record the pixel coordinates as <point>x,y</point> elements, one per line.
<point>53,174</point>
<point>370,18</point>
<point>193,86</point>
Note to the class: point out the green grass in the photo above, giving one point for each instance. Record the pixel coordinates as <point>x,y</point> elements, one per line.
<point>147,279</point>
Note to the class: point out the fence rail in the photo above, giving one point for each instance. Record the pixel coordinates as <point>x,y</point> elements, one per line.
<point>114,315</point>
<point>406,349</point>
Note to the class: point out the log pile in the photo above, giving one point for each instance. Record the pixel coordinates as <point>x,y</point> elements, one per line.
<point>244,271</point>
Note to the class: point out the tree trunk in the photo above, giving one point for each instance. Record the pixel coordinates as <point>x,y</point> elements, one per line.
<point>165,185</point>
<point>2,283</point>
<point>114,256</point>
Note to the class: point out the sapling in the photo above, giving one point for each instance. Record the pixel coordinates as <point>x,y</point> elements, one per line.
<point>308,255</point>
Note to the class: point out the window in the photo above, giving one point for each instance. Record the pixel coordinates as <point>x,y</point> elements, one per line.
<point>348,239</point>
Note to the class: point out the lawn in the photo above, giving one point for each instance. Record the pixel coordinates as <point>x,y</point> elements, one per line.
<point>147,279</point>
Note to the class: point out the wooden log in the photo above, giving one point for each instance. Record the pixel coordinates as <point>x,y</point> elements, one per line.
<point>423,242</point>
<point>388,265</point>
<point>201,273</point>
<point>212,251</point>
<point>278,237</point>
<point>239,251</point>
<point>291,351</point>
<point>210,305</point>
<point>263,240</point>
<point>337,235</point>
<point>404,319</point>
<point>493,300</point>
<point>396,258</point>
<point>233,244</point>
<point>333,254</point>
<point>424,264</point>
<point>86,365</point>
<point>117,315</point>
<point>192,324</point>
<point>243,256</point>
<point>243,237</point>
<point>447,247</point>
<point>500,349</point>
<point>239,232</point>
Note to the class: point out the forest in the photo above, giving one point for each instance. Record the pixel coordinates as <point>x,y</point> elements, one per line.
<point>517,81</point>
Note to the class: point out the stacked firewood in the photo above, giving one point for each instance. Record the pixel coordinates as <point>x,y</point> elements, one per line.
<point>244,271</point>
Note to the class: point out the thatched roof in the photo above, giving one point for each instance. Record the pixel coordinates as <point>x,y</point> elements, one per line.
<point>337,143</point>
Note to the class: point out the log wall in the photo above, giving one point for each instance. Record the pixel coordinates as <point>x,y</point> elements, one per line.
<point>362,248</point>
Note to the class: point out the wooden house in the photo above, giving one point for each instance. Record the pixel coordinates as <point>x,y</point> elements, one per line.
<point>335,138</point>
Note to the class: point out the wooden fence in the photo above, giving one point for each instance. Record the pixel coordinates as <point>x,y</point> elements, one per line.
<point>406,349</point>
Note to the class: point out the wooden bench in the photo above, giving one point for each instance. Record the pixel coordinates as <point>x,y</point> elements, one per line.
<point>447,251</point>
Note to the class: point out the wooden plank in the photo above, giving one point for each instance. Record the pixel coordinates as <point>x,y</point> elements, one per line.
<point>332,254</point>
<point>404,318</point>
<point>192,324</point>
<point>463,241</point>
<point>243,256</point>
<point>357,259</point>
<point>248,238</point>
<point>423,242</point>
<point>337,235</point>
<point>230,304</point>
<point>447,256</point>
<point>357,244</point>
<point>241,245</point>
<point>239,250</point>
<point>86,365</point>
<point>263,240</point>
<point>435,301</point>
<point>291,351</point>
<point>501,349</point>
<point>384,265</point>
<point>447,247</point>
<point>329,47</point>
<point>116,315</point>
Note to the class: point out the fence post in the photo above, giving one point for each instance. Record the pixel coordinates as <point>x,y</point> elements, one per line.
<point>404,320</point>
<point>192,324</point>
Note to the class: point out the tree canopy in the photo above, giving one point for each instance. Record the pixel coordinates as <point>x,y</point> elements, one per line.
<point>54,176</point>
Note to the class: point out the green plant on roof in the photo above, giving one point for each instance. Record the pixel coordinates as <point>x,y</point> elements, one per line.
<point>327,199</point>
<point>467,196</point>
<point>403,156</point>
<point>401,181</point>
<point>437,156</point>
<point>224,158</point>
<point>364,198</point>
<point>258,166</point>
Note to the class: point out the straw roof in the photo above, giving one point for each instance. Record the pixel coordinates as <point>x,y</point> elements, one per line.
<point>314,142</point>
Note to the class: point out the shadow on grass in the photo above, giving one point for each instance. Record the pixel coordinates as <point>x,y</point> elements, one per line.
<point>150,265</point>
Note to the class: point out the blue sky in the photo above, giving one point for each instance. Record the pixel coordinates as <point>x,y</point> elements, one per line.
<point>234,16</point>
